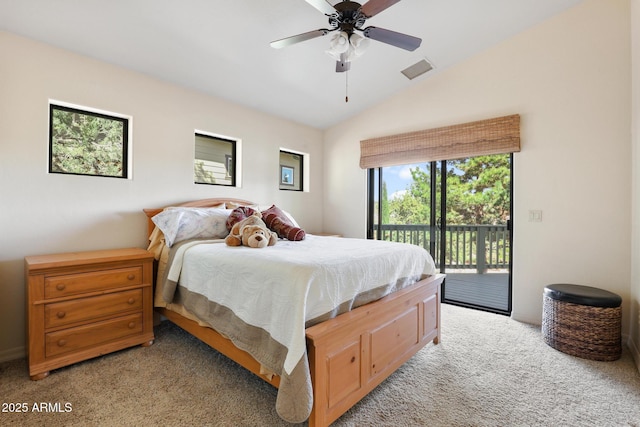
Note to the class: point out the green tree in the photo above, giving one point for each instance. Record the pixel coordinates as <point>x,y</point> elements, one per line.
<point>478,190</point>
<point>86,144</point>
<point>477,193</point>
<point>385,204</point>
<point>414,205</point>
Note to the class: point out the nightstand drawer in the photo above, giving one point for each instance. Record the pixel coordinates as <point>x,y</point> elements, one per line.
<point>73,339</point>
<point>78,310</point>
<point>71,284</point>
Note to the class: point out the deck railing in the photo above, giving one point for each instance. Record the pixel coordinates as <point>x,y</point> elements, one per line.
<point>478,247</point>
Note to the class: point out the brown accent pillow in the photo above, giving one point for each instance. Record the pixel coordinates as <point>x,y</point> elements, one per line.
<point>238,214</point>
<point>277,221</point>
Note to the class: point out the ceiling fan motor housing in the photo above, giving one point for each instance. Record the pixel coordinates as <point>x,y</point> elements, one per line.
<point>348,17</point>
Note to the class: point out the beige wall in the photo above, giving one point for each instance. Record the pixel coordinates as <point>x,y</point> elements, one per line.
<point>43,213</point>
<point>634,335</point>
<point>569,79</point>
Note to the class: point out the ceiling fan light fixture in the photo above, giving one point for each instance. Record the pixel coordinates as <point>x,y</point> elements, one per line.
<point>358,45</point>
<point>338,45</point>
<point>346,47</point>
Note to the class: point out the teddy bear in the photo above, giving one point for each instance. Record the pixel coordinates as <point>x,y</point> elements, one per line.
<point>251,232</point>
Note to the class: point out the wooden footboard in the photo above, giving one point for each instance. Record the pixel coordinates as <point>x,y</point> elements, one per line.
<point>354,352</point>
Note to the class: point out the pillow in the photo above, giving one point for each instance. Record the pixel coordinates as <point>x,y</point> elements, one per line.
<point>182,223</point>
<point>238,214</point>
<point>278,221</point>
<point>290,217</point>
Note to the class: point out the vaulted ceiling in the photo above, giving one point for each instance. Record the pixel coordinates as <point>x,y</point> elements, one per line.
<point>222,47</point>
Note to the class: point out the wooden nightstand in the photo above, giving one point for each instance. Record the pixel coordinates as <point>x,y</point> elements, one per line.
<point>85,304</point>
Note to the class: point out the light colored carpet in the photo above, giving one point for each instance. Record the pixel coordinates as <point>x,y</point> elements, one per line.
<point>487,371</point>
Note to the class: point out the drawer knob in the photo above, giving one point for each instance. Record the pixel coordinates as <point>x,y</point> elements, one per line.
<point>131,276</point>
<point>61,314</point>
<point>132,325</point>
<point>60,286</point>
<point>131,301</point>
<point>62,343</point>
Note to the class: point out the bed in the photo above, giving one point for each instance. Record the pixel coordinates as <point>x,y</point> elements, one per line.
<point>345,334</point>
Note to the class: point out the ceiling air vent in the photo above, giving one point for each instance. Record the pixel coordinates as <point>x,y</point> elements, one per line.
<point>417,69</point>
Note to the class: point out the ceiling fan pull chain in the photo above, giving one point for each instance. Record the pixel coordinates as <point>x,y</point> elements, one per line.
<point>346,86</point>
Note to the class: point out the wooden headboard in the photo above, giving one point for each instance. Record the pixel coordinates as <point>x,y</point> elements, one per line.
<point>203,203</point>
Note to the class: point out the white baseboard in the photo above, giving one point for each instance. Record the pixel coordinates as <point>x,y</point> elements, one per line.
<point>12,354</point>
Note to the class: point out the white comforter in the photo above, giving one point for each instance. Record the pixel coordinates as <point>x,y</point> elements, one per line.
<point>279,288</point>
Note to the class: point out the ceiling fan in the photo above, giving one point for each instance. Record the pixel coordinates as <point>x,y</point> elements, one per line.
<point>347,17</point>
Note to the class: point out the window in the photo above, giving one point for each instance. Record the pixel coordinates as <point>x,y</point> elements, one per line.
<point>87,142</point>
<point>291,171</point>
<point>215,160</point>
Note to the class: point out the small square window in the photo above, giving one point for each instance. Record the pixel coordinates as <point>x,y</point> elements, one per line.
<point>291,172</point>
<point>87,142</point>
<point>215,160</point>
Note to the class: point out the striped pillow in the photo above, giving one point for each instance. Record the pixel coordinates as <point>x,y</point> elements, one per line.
<point>278,221</point>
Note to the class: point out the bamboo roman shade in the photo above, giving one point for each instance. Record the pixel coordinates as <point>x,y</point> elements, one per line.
<point>493,136</point>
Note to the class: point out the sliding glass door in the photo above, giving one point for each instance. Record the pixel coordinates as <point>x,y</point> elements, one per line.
<point>459,210</point>
<point>476,250</point>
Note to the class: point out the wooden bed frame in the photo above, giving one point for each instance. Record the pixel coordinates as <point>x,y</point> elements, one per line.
<point>350,354</point>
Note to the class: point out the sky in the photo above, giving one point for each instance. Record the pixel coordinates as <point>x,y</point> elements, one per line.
<point>398,178</point>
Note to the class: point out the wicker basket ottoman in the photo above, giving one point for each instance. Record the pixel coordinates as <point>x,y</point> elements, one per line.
<point>582,321</point>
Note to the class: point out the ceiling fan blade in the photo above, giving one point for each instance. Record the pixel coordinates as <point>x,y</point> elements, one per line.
<point>400,40</point>
<point>373,7</point>
<point>323,6</point>
<point>298,38</point>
